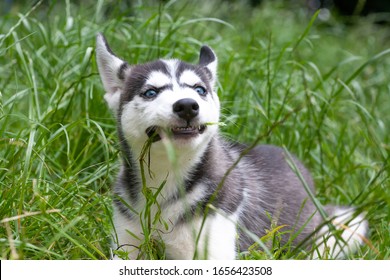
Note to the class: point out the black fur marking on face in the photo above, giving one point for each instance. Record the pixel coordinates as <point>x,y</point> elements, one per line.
<point>203,73</point>
<point>139,74</point>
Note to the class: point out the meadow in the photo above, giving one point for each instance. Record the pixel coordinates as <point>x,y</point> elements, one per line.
<point>321,89</point>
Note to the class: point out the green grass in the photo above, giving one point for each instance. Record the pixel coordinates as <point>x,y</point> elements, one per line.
<point>319,89</point>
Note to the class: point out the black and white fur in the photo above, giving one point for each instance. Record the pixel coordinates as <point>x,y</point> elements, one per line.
<point>175,103</point>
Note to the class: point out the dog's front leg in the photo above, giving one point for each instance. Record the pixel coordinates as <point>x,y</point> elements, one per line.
<point>214,238</point>
<point>126,234</point>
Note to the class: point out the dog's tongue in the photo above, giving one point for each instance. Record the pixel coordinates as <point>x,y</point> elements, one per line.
<point>152,134</point>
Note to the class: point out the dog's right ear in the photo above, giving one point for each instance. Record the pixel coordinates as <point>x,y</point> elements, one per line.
<point>208,59</point>
<point>112,72</point>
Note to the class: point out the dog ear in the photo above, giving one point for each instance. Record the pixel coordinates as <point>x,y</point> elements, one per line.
<point>208,59</point>
<point>112,72</point>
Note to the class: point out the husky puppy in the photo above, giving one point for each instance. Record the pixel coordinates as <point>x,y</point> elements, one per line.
<point>203,196</point>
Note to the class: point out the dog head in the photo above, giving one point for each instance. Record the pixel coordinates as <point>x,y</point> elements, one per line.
<point>163,99</point>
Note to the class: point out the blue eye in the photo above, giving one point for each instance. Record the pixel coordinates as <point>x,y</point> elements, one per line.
<point>200,90</point>
<point>150,93</point>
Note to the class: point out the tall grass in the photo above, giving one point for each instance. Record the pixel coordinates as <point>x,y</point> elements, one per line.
<point>319,89</point>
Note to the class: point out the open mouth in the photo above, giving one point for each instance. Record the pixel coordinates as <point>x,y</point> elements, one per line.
<point>177,132</point>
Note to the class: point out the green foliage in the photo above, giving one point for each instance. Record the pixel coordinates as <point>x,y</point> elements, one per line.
<point>320,89</point>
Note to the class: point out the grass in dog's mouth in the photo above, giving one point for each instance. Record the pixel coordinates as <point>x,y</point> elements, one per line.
<point>215,123</point>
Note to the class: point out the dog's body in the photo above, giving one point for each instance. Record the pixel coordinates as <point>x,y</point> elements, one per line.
<point>172,106</point>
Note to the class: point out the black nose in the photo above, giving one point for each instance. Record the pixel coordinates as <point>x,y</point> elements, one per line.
<point>186,108</point>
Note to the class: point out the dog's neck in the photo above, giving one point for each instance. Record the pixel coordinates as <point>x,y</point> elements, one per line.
<point>165,163</point>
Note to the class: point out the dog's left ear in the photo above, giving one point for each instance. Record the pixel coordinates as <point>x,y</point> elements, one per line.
<point>208,59</point>
<point>112,72</point>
